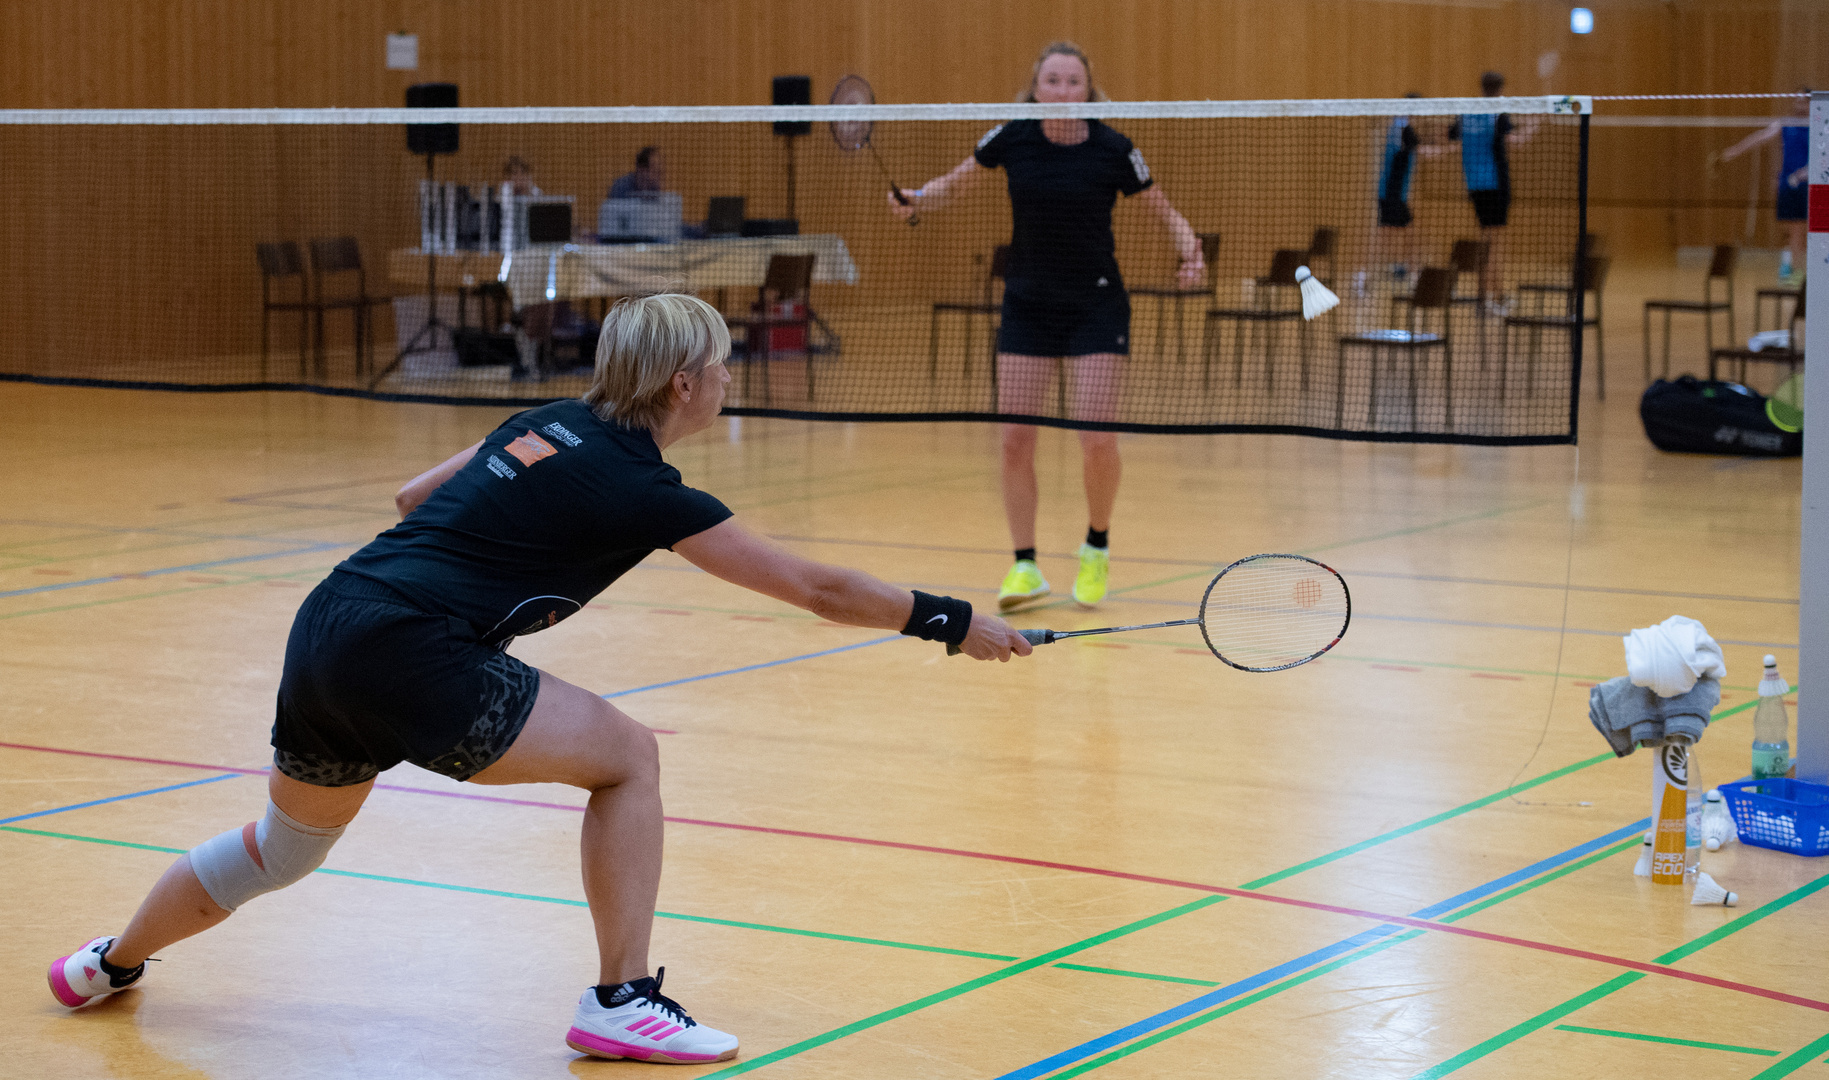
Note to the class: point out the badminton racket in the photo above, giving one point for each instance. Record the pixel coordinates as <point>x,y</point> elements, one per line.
<point>854,135</point>
<point>1262,613</point>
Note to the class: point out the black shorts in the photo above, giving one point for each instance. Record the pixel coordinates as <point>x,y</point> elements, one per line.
<point>371,681</point>
<point>1793,202</point>
<point>1491,207</point>
<point>1065,325</point>
<point>1394,213</point>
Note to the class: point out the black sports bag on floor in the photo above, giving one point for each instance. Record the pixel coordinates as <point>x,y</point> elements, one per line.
<point>1698,416</point>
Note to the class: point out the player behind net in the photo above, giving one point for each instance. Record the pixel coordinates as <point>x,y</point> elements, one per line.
<point>1063,298</point>
<point>399,655</point>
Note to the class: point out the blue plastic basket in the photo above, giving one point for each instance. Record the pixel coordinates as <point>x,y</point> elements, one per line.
<point>1784,815</point>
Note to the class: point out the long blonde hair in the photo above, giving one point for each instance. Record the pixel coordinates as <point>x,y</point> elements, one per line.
<point>646,341</point>
<point>1062,48</point>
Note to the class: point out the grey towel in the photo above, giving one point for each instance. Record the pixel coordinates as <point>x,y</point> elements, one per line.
<point>1629,716</point>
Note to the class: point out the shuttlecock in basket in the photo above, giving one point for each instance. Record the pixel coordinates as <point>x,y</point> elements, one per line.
<point>1709,891</point>
<point>1317,299</point>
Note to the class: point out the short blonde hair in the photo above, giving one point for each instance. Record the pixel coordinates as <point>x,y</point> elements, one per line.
<point>1062,48</point>
<point>646,340</point>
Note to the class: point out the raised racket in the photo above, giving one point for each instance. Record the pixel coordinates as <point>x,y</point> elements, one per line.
<point>854,135</point>
<point>1262,613</point>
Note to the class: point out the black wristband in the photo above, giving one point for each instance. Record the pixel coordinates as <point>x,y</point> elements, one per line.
<point>939,618</point>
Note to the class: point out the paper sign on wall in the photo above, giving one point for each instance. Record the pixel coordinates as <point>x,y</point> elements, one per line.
<point>403,52</point>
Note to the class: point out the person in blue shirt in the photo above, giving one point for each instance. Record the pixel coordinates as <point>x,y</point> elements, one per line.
<point>649,177</point>
<point>1486,139</point>
<point>1793,180</point>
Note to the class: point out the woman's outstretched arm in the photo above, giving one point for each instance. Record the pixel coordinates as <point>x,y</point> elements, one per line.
<point>935,191</point>
<point>837,593</point>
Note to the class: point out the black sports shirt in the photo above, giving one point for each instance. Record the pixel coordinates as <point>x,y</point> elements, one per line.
<point>1060,202</point>
<point>555,506</point>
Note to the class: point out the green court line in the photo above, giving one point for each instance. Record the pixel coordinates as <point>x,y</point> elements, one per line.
<point>1337,963</point>
<point>1790,1063</point>
<point>967,987</point>
<point>1550,1016</point>
<point>1137,974</point>
<point>1666,1039</point>
<point>1445,815</point>
<point>547,899</point>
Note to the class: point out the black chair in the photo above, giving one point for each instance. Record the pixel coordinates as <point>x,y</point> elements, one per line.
<point>1272,289</point>
<point>1434,292</point>
<point>279,263</point>
<point>1162,294</point>
<point>987,305</point>
<point>1720,268</point>
<point>1593,278</point>
<point>1790,354</point>
<point>338,257</point>
<point>1777,298</point>
<point>1321,247</point>
<point>788,280</point>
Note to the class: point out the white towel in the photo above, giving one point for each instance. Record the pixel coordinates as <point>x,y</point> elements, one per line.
<point>1668,658</point>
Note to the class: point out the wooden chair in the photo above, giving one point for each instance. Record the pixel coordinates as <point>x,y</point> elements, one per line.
<point>1720,268</point>
<point>1162,294</point>
<point>987,305</point>
<point>337,258</point>
<point>281,262</point>
<point>1271,291</point>
<point>1434,292</point>
<point>1790,354</point>
<point>788,279</point>
<point>1593,278</point>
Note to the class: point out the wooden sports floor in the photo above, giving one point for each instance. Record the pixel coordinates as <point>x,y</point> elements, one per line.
<point>1117,857</point>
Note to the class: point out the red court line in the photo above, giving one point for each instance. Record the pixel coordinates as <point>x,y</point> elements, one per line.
<point>1221,890</point>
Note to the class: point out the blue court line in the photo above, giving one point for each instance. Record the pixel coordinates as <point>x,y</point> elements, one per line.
<point>752,667</point>
<point>58,586</point>
<point>118,798</point>
<point>1290,967</point>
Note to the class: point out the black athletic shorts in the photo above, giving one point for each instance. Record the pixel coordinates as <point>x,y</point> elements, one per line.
<point>1793,202</point>
<point>1065,325</point>
<point>371,681</point>
<point>1491,207</point>
<point>1395,213</point>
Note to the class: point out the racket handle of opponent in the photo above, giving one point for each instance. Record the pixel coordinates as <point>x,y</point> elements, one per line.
<point>913,218</point>
<point>1035,637</point>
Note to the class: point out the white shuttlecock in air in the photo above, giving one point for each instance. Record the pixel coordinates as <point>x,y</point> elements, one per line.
<point>1642,868</point>
<point>1317,299</point>
<point>1709,891</point>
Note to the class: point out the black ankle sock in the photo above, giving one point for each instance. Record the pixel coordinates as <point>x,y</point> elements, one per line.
<point>1098,538</point>
<point>118,975</point>
<point>611,996</point>
<point>1025,553</point>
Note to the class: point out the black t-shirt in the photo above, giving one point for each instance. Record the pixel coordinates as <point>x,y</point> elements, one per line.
<point>1060,202</point>
<point>555,506</point>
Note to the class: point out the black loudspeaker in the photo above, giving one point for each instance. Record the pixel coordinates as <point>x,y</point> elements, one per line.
<point>793,90</point>
<point>431,138</point>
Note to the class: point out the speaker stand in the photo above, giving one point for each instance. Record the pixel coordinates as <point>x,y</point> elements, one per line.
<point>426,340</point>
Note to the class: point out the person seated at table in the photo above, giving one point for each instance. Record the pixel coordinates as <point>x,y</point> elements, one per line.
<point>518,175</point>
<point>648,179</point>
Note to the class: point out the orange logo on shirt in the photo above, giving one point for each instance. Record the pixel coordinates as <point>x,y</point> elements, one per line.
<point>530,448</point>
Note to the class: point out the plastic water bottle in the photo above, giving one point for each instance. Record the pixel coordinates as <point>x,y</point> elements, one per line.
<point>1771,725</point>
<point>1693,802</point>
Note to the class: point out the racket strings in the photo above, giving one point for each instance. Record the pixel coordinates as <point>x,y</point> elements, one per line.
<point>1274,611</point>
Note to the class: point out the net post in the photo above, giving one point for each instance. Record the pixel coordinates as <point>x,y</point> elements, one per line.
<point>1813,577</point>
<point>1577,279</point>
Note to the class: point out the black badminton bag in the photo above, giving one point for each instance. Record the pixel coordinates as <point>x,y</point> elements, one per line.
<point>1700,416</point>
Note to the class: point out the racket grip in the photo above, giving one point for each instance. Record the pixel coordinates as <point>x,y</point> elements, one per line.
<point>1034,637</point>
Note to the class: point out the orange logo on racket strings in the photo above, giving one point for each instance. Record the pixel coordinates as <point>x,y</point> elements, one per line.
<point>1307,593</point>
<point>530,448</point>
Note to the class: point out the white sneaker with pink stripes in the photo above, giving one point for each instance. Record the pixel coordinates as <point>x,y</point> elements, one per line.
<point>78,978</point>
<point>640,1023</point>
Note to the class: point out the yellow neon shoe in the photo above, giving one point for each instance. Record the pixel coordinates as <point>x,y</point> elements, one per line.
<point>1095,573</point>
<point>1022,584</point>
